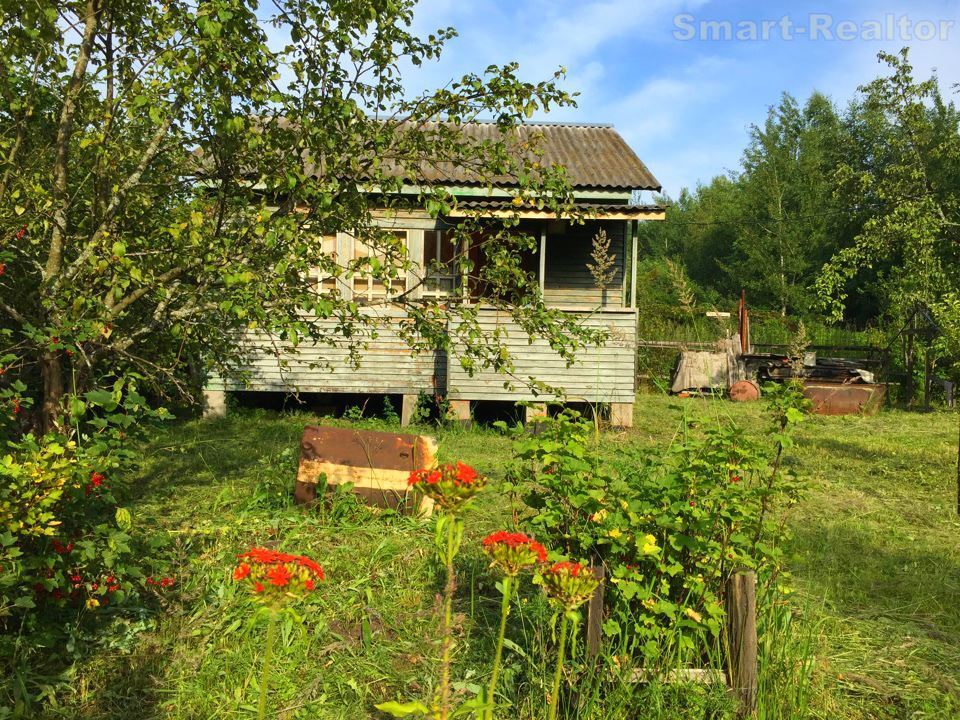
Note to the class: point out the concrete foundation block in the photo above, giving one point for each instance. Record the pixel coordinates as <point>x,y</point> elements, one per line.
<point>621,415</point>
<point>460,412</point>
<point>214,403</point>
<point>407,409</point>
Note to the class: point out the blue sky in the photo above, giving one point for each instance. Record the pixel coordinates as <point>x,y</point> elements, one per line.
<point>686,106</point>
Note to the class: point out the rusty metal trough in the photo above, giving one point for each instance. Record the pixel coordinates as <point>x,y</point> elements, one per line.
<point>844,398</point>
<point>377,464</point>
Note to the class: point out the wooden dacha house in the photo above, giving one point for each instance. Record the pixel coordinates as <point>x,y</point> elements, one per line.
<point>607,178</point>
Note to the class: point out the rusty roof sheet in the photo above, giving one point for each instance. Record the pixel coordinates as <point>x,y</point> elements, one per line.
<point>595,156</point>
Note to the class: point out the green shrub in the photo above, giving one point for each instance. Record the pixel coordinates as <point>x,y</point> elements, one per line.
<point>66,550</point>
<point>668,528</point>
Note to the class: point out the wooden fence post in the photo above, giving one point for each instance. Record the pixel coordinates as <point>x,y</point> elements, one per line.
<point>595,613</point>
<point>741,603</point>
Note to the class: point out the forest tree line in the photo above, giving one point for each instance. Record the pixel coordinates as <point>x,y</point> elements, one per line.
<point>836,213</point>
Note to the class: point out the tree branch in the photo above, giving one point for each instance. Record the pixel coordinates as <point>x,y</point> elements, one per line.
<point>64,133</point>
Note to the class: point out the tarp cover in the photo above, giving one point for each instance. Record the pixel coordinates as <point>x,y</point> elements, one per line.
<point>719,370</point>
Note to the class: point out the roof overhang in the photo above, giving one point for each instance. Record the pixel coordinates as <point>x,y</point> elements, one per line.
<point>586,211</point>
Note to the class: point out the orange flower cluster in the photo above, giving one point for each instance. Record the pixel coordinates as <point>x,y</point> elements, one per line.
<point>513,552</point>
<point>450,486</point>
<point>274,575</point>
<point>569,583</point>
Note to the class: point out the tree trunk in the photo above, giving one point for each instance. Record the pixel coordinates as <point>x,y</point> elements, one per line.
<point>51,372</point>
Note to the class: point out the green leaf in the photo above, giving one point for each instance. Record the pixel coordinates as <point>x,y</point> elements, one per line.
<point>124,518</point>
<point>397,709</point>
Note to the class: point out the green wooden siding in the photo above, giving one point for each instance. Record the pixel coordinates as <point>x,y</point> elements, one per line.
<point>604,374</point>
<point>387,365</point>
<point>568,282</point>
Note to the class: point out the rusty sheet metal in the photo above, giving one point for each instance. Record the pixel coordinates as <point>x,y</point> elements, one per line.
<point>845,399</point>
<point>376,463</point>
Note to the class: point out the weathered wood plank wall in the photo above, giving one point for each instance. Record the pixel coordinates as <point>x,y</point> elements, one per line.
<point>568,282</point>
<point>603,375</point>
<point>386,365</point>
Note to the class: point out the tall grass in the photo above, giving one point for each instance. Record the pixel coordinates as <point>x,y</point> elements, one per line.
<point>787,643</point>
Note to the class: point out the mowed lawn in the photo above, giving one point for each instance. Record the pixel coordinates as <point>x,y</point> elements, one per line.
<point>874,557</point>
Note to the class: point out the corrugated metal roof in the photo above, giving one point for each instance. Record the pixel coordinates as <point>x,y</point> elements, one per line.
<point>595,156</point>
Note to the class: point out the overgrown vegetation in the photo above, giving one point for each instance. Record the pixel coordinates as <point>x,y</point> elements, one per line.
<point>838,214</point>
<point>868,630</point>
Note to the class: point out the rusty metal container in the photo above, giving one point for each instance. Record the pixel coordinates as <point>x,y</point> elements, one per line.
<point>377,464</point>
<point>845,398</point>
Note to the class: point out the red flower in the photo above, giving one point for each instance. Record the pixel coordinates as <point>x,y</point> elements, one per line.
<point>566,567</point>
<point>513,552</point>
<point>692,504</point>
<point>430,477</point>
<point>466,474</point>
<point>266,569</point>
<point>167,582</point>
<point>516,540</point>
<point>569,584</point>
<point>279,576</point>
<point>16,405</point>
<point>3,268</point>
<point>21,232</point>
<point>735,479</point>
<point>96,480</point>
<point>450,486</point>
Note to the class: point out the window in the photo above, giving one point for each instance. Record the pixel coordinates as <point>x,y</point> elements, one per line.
<point>438,261</point>
<point>370,288</point>
<point>321,281</point>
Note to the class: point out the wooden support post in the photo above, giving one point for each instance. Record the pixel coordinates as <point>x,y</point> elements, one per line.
<point>543,257</point>
<point>460,410</point>
<point>621,415</point>
<point>634,227</point>
<point>214,404</point>
<point>533,416</point>
<point>407,407</point>
<point>741,604</point>
<point>595,613</point>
